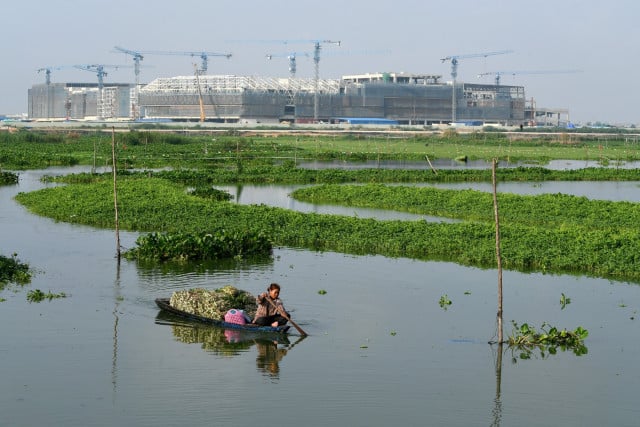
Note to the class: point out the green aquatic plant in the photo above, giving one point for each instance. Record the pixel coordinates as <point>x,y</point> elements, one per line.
<point>13,271</point>
<point>211,193</point>
<point>199,246</point>
<point>526,339</point>
<point>444,302</point>
<point>8,178</point>
<point>37,295</point>
<point>157,205</point>
<point>564,301</point>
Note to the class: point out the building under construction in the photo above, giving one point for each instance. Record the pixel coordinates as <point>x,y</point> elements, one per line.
<point>406,99</point>
<point>79,101</point>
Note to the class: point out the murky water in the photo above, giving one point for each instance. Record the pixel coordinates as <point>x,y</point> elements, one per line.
<point>381,351</point>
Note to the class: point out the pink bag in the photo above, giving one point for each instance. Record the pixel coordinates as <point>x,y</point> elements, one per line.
<point>235,316</point>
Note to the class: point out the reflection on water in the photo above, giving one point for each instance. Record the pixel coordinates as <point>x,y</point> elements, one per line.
<point>269,357</point>
<point>271,348</point>
<point>497,401</point>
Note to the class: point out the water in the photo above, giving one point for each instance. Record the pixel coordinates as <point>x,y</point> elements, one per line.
<point>380,351</point>
<point>455,164</point>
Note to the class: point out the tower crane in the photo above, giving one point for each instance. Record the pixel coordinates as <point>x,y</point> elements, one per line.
<point>204,56</point>
<point>316,61</point>
<point>99,69</point>
<point>454,72</point>
<point>497,74</point>
<point>47,70</point>
<point>291,56</point>
<point>317,47</point>
<point>292,60</point>
<point>291,92</point>
<point>137,57</point>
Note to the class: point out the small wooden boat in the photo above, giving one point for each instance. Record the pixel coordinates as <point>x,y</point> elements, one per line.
<point>163,303</point>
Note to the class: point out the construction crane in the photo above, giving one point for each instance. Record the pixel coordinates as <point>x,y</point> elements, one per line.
<point>204,56</point>
<point>197,72</point>
<point>317,47</point>
<point>498,74</point>
<point>47,71</point>
<point>291,56</point>
<point>292,60</point>
<point>454,73</point>
<point>99,69</point>
<point>137,57</point>
<point>316,61</point>
<point>291,92</point>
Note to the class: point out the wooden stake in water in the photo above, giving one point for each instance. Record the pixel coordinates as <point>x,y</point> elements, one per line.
<point>115,190</point>
<point>498,256</point>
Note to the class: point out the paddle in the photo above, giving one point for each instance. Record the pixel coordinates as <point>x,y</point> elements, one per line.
<point>283,314</point>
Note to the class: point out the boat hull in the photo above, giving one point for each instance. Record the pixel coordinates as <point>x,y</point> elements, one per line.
<point>163,303</point>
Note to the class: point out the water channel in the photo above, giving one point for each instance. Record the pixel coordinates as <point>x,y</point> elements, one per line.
<point>381,350</point>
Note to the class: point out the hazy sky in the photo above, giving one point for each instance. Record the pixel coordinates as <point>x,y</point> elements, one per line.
<point>601,39</point>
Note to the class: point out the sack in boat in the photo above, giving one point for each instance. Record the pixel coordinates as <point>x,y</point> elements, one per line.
<point>236,316</point>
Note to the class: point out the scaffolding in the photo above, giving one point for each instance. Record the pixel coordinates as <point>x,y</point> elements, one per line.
<point>238,84</point>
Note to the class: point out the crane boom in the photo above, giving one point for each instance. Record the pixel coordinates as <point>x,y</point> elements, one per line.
<point>498,74</point>
<point>47,71</point>
<point>454,73</point>
<point>204,56</point>
<point>455,58</point>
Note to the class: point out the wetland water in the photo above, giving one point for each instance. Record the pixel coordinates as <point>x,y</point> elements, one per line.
<point>381,351</point>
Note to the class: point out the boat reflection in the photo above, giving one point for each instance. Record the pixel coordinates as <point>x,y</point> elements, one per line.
<point>271,347</point>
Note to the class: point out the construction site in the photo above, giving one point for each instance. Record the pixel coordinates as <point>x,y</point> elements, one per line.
<point>404,99</point>
<point>387,98</point>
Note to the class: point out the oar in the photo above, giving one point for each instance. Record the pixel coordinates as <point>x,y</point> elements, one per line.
<point>283,314</point>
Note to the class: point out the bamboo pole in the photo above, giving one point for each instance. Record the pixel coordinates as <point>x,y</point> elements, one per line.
<point>430,165</point>
<point>115,190</point>
<point>498,256</point>
<point>497,407</point>
<point>93,169</point>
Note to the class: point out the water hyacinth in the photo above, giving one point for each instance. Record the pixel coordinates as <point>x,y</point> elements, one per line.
<point>214,304</point>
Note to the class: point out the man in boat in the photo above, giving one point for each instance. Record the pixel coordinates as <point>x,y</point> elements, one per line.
<point>270,308</point>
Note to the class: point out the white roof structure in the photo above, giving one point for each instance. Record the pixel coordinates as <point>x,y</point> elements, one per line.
<point>238,84</point>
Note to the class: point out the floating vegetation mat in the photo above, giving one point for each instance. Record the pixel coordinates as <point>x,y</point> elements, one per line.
<point>214,304</point>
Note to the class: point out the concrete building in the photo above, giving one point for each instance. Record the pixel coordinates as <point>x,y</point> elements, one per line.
<point>79,101</point>
<point>408,99</point>
<point>541,116</point>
